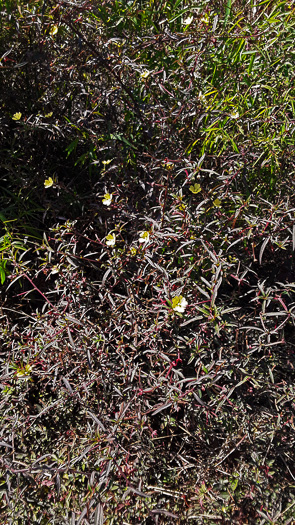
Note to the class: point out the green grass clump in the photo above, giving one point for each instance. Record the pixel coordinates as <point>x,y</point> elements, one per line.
<point>147,262</point>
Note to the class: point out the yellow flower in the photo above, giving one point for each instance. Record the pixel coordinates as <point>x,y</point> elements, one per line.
<point>111,239</point>
<point>48,115</point>
<point>217,203</point>
<point>133,251</point>
<point>106,162</point>
<point>107,199</point>
<point>196,188</point>
<point>144,237</point>
<point>17,116</point>
<point>179,304</point>
<point>23,373</point>
<point>53,30</point>
<point>144,74</point>
<point>168,165</point>
<point>48,182</point>
<point>205,19</point>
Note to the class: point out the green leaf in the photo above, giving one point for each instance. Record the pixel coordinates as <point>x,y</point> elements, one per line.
<point>2,275</point>
<point>72,147</point>
<point>116,136</point>
<point>196,188</point>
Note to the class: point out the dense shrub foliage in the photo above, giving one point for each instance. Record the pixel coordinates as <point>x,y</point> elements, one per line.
<point>147,262</point>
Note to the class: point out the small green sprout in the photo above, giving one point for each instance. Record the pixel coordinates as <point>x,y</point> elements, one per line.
<point>195,188</point>
<point>217,203</point>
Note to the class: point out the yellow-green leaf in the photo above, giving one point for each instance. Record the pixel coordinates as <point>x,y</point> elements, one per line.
<point>217,203</point>
<point>195,188</point>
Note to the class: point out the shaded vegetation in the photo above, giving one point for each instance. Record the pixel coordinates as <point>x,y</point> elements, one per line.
<point>147,262</point>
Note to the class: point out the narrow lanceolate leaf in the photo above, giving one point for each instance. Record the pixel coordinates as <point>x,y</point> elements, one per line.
<point>227,11</point>
<point>197,318</point>
<point>209,251</point>
<point>133,490</point>
<point>160,408</point>
<point>98,516</point>
<point>229,310</point>
<point>263,246</point>
<point>203,291</point>
<point>3,444</point>
<point>57,484</point>
<point>2,275</point>
<point>99,423</point>
<point>67,385</point>
<point>70,338</point>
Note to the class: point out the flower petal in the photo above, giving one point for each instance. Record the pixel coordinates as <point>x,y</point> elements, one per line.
<point>17,116</point>
<point>48,182</point>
